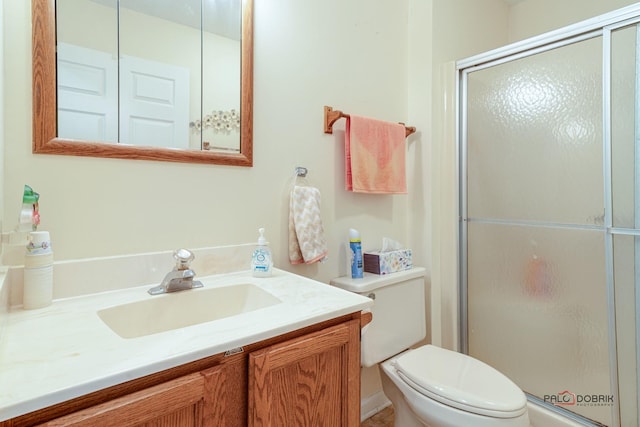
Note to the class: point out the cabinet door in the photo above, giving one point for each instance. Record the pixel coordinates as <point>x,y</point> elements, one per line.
<point>175,403</point>
<point>313,380</point>
<point>225,395</point>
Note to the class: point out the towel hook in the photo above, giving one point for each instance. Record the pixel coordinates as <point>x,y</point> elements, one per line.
<point>301,171</point>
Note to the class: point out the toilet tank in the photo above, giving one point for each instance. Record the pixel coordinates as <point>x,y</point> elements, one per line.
<point>398,312</point>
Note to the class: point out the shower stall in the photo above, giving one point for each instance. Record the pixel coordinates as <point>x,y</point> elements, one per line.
<point>549,162</point>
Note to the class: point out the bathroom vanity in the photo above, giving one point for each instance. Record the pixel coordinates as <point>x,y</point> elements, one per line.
<point>307,377</point>
<point>295,361</point>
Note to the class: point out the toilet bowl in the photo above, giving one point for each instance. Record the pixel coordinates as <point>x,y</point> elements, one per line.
<point>428,386</point>
<point>442,388</point>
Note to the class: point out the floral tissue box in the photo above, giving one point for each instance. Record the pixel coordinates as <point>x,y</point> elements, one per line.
<point>387,262</point>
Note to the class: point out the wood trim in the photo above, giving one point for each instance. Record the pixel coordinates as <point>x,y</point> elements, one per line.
<point>246,84</point>
<point>366,318</point>
<point>45,140</point>
<point>353,392</point>
<point>139,407</point>
<point>44,81</point>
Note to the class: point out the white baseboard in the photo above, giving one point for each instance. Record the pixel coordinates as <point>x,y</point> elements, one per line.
<point>371,405</point>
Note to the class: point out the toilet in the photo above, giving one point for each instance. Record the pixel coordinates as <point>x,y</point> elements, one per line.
<point>428,385</point>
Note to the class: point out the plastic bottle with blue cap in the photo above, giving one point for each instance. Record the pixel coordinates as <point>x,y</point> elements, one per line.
<point>355,244</point>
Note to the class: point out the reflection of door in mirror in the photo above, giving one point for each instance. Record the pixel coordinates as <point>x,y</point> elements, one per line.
<point>154,103</point>
<point>174,85</point>
<point>87,94</point>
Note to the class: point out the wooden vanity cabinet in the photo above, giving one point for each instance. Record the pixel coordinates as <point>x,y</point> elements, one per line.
<point>309,377</point>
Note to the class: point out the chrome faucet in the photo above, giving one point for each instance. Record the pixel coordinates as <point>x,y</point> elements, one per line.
<point>180,278</point>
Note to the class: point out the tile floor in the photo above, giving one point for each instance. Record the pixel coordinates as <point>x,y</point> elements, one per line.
<point>383,418</point>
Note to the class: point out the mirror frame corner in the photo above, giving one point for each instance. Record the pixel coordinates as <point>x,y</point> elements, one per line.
<point>44,126</point>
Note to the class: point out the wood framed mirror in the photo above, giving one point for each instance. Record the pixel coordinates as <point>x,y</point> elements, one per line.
<point>46,139</point>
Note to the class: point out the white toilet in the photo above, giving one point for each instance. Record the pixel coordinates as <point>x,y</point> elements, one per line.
<point>429,386</point>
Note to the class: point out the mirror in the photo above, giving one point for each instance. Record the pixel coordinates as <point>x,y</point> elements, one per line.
<point>56,130</point>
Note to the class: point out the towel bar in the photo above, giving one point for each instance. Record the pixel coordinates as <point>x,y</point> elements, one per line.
<point>331,116</point>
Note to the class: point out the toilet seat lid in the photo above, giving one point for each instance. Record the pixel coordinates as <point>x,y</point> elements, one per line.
<point>461,381</point>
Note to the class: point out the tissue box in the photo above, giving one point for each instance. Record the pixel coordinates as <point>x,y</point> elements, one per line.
<point>387,262</point>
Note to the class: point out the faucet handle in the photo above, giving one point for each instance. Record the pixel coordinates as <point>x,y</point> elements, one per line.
<point>183,258</point>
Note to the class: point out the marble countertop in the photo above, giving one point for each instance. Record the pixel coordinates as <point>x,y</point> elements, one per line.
<point>63,351</point>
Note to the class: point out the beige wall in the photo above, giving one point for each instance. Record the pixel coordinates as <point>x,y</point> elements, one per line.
<point>532,17</point>
<point>463,28</point>
<point>393,61</point>
<point>360,59</point>
<point>307,55</point>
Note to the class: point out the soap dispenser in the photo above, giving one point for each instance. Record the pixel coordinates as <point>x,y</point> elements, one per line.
<point>261,262</point>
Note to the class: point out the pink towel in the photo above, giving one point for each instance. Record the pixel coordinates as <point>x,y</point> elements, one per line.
<point>375,156</point>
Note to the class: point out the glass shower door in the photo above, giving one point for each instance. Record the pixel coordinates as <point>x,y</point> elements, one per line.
<point>534,228</point>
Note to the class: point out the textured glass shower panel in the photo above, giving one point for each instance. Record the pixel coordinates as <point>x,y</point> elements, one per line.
<point>626,269</point>
<point>534,137</point>
<point>623,128</point>
<point>537,309</point>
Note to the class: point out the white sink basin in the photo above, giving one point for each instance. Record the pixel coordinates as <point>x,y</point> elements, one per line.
<point>165,312</point>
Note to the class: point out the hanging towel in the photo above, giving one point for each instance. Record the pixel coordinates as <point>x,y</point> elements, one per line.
<point>374,156</point>
<point>306,233</point>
